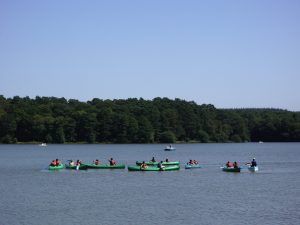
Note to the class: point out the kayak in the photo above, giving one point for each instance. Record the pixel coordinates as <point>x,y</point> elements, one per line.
<point>192,166</point>
<point>231,169</point>
<point>152,168</point>
<point>253,168</point>
<point>156,163</point>
<point>59,167</point>
<point>81,167</point>
<point>105,166</point>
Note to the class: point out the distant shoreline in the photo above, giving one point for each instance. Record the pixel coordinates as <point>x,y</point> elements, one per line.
<point>177,143</point>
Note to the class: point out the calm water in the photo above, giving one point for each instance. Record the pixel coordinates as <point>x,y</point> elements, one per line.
<point>32,195</point>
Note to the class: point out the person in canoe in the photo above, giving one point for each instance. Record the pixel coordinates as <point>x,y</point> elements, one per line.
<point>112,162</point>
<point>160,165</point>
<point>57,162</point>
<point>235,165</point>
<point>253,163</point>
<point>195,162</point>
<point>191,162</point>
<point>143,165</point>
<point>97,162</point>
<point>78,163</point>
<point>53,163</point>
<point>71,163</point>
<point>153,159</point>
<point>228,164</point>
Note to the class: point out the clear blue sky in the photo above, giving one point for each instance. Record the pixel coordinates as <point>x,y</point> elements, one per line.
<point>226,53</point>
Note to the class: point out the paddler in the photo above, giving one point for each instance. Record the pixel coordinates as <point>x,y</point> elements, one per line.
<point>229,164</point>
<point>53,163</point>
<point>143,165</point>
<point>160,165</point>
<point>57,162</point>
<point>253,163</point>
<point>71,163</point>
<point>235,165</point>
<point>97,162</point>
<point>112,162</point>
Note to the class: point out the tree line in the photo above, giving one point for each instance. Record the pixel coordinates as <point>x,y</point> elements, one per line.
<point>161,120</point>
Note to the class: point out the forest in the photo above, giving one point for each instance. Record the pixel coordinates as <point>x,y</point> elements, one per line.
<point>160,120</point>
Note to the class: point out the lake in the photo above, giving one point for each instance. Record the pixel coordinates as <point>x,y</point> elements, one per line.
<point>32,195</point>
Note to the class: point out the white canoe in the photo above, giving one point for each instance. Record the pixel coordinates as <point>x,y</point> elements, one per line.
<point>253,169</point>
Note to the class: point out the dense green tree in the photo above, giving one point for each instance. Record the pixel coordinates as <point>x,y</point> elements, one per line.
<point>38,127</point>
<point>146,132</point>
<point>85,126</point>
<point>57,120</point>
<point>120,126</point>
<point>167,137</point>
<point>203,137</point>
<point>104,124</point>
<point>58,134</point>
<point>132,130</point>
<point>69,128</point>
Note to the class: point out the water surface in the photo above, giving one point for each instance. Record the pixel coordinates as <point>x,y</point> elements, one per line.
<point>32,195</point>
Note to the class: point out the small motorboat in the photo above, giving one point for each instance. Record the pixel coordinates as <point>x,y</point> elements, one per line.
<point>169,148</point>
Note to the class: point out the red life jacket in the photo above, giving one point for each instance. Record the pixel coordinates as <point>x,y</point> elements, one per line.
<point>229,164</point>
<point>143,166</point>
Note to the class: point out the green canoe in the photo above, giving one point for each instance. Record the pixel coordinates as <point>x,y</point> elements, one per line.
<point>59,167</point>
<point>192,166</point>
<point>105,166</point>
<point>156,163</point>
<point>81,167</point>
<point>231,169</point>
<point>152,168</point>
